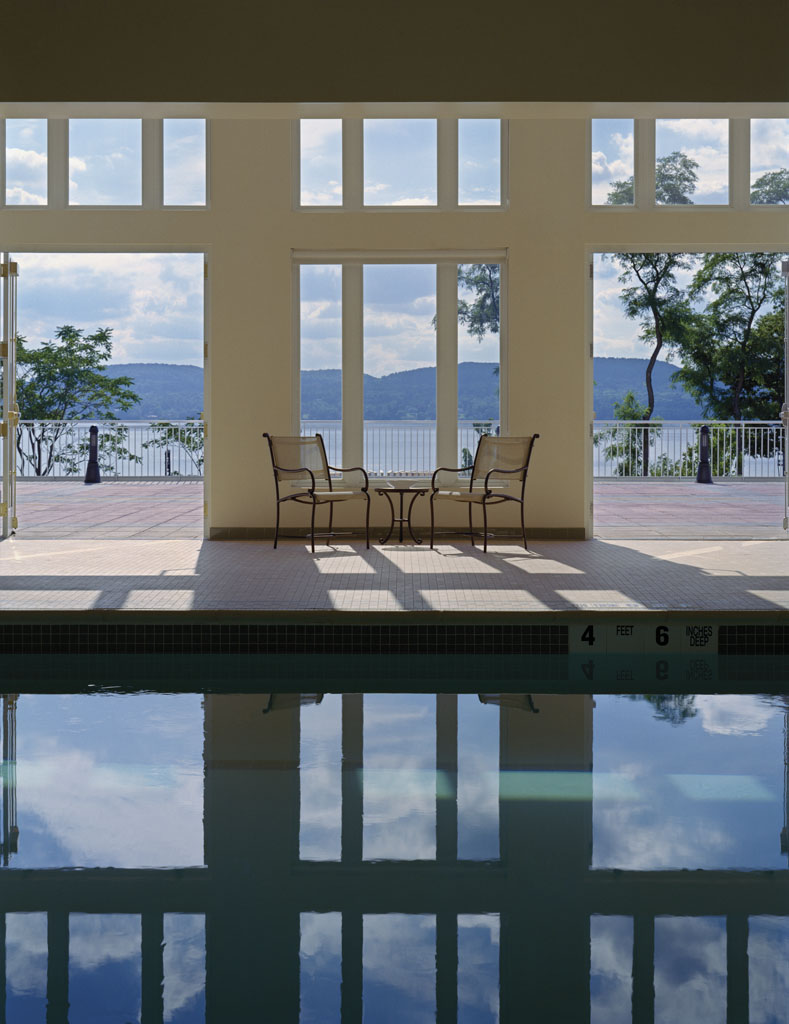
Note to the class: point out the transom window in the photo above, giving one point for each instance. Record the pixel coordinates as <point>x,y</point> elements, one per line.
<point>404,163</point>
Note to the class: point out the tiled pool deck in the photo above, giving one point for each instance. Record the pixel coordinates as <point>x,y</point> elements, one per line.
<point>114,562</point>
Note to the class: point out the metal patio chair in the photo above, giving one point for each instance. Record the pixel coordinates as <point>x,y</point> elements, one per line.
<point>498,461</point>
<point>302,461</point>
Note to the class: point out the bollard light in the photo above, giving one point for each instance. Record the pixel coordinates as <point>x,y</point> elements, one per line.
<point>92,475</point>
<point>704,475</point>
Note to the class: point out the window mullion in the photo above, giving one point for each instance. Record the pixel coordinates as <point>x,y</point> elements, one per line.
<point>644,163</point>
<point>152,163</point>
<point>739,163</point>
<point>447,156</point>
<point>57,163</point>
<point>352,365</point>
<point>446,364</point>
<point>352,163</point>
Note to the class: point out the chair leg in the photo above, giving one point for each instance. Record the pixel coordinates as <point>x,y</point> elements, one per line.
<point>276,528</point>
<point>367,523</point>
<point>484,527</point>
<point>331,515</point>
<point>312,527</point>
<point>470,525</point>
<point>523,528</point>
<point>432,522</point>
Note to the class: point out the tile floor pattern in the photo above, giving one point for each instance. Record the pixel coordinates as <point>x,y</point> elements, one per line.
<point>185,575</point>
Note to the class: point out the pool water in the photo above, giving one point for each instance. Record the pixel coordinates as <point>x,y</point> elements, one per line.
<point>404,857</point>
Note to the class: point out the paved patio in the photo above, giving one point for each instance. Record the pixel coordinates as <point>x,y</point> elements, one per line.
<point>136,547</point>
<point>623,509</point>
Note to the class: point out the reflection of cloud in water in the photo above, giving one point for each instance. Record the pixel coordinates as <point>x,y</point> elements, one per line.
<point>690,969</point>
<point>636,837</point>
<point>610,969</point>
<point>732,713</point>
<point>97,939</point>
<point>183,960</point>
<point>26,954</point>
<point>115,815</point>
<point>399,958</point>
<point>478,964</point>
<point>768,969</point>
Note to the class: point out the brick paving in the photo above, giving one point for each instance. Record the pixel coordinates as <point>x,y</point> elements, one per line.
<point>623,509</point>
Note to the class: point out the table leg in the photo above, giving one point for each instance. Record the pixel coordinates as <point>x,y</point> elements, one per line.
<point>414,538</point>
<point>383,540</point>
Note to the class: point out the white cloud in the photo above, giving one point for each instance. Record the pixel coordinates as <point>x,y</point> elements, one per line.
<point>16,195</point>
<point>16,158</point>
<point>733,714</point>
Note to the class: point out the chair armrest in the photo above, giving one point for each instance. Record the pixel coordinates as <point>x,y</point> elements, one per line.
<point>354,469</point>
<point>520,469</point>
<point>446,469</point>
<point>298,469</point>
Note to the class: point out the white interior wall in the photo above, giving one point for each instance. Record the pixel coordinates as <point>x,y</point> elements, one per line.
<point>250,229</point>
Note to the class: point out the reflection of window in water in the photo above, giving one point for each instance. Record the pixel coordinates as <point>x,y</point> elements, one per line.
<point>403,967</point>
<point>415,775</point>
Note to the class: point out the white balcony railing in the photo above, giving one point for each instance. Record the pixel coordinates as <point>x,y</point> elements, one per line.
<point>622,449</point>
<point>126,450</point>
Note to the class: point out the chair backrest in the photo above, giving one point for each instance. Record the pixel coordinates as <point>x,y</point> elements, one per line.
<point>292,455</point>
<point>501,453</point>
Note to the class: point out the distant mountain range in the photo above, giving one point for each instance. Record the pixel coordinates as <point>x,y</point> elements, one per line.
<point>171,391</point>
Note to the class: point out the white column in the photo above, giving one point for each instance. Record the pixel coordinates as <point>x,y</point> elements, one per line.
<point>352,365</point>
<point>447,364</point>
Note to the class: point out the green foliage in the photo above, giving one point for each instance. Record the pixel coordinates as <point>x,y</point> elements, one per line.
<point>188,439</point>
<point>630,408</point>
<point>675,182</point>
<point>772,187</point>
<point>733,352</point>
<point>674,708</point>
<point>63,381</point>
<point>624,446</point>
<point>482,314</point>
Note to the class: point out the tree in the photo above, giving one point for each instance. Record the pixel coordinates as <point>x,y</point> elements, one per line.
<point>772,187</point>
<point>675,181</point>
<point>482,314</point>
<point>61,381</point>
<point>732,353</point>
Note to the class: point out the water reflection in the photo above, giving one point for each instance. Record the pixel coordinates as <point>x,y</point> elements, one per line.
<point>399,857</point>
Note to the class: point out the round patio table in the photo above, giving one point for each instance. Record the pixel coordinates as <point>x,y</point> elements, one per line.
<point>401,492</point>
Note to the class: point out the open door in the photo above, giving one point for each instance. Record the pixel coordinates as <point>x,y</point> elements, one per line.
<point>9,410</point>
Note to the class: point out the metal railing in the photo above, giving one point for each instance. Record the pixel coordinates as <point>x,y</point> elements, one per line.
<point>403,449</point>
<point>634,449</point>
<point>58,449</point>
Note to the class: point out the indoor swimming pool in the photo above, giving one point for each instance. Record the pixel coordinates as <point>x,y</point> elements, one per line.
<point>395,855</point>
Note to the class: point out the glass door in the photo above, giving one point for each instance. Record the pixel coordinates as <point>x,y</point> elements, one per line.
<point>9,410</point>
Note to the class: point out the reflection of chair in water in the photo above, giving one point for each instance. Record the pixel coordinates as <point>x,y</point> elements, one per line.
<point>286,701</point>
<point>518,701</point>
<point>302,461</point>
<point>499,461</point>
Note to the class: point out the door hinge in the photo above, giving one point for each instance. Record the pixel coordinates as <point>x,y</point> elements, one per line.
<point>205,271</point>
<point>591,271</point>
<point>591,430</point>
<point>205,510</point>
<point>3,508</point>
<point>3,430</point>
<point>591,508</point>
<point>14,523</point>
<point>4,350</point>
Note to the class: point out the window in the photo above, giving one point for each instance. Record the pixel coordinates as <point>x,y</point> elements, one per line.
<point>769,160</point>
<point>612,162</point>
<point>105,162</point>
<point>25,161</point>
<point>479,162</point>
<point>321,162</point>
<point>401,162</point>
<point>184,163</point>
<point>417,346</point>
<point>692,161</point>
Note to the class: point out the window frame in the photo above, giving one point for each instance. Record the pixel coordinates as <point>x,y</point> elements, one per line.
<point>353,343</point>
<point>447,167</point>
